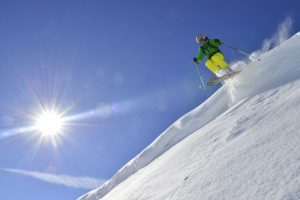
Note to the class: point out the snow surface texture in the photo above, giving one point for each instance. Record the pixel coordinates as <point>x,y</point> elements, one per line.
<point>242,143</point>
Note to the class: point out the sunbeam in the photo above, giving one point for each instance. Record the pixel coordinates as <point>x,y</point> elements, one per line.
<point>51,123</point>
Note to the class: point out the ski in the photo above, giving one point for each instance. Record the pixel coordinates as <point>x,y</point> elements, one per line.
<point>215,80</point>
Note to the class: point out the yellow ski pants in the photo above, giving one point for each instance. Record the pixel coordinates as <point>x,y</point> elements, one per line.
<point>216,63</point>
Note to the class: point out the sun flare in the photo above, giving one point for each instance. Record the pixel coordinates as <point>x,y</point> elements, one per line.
<point>49,123</point>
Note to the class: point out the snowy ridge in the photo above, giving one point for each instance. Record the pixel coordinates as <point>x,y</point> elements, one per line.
<point>259,85</point>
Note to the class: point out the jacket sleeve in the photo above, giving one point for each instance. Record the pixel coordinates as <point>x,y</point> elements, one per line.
<point>200,55</point>
<point>215,42</point>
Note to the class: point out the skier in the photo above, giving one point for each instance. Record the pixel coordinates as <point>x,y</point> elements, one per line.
<point>215,61</point>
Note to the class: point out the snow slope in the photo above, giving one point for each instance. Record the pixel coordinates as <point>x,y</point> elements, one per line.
<point>242,143</point>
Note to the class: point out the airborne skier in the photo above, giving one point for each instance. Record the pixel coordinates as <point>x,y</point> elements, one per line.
<point>210,48</point>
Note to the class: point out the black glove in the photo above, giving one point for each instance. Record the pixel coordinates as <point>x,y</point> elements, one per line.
<point>195,60</point>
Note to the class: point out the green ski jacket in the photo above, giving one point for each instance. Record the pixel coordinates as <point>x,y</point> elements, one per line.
<point>209,48</point>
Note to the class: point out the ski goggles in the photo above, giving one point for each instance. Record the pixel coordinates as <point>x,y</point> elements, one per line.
<point>200,39</point>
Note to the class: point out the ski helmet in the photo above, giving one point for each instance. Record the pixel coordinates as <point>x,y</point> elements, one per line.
<point>200,38</point>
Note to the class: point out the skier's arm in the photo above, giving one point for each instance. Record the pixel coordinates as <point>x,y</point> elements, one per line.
<point>215,42</point>
<point>200,56</point>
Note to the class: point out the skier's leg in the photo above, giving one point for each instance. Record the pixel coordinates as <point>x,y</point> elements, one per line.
<point>211,65</point>
<point>218,58</point>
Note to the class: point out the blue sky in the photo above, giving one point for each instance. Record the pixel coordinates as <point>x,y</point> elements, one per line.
<point>121,70</point>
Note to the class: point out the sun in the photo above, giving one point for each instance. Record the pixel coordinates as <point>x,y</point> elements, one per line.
<point>49,126</point>
<point>49,123</point>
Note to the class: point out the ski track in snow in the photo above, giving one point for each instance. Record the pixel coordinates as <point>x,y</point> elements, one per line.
<point>245,136</point>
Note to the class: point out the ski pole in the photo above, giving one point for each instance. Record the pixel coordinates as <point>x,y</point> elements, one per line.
<point>197,67</point>
<point>238,50</point>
